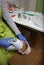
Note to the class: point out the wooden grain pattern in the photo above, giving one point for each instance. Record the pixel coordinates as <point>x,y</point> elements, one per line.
<point>36,56</point>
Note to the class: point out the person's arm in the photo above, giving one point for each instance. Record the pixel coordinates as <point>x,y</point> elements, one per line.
<point>6,15</point>
<point>4,42</point>
<point>9,21</point>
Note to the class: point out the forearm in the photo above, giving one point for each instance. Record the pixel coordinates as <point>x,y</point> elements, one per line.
<point>9,21</point>
<point>13,26</point>
<point>7,17</point>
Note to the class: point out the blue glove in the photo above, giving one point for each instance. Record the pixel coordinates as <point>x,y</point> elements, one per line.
<point>21,37</point>
<point>4,42</point>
